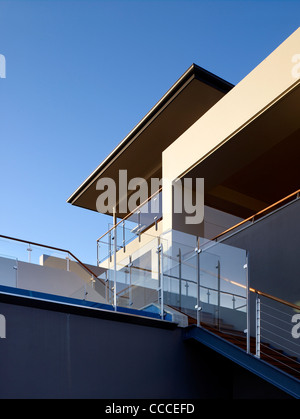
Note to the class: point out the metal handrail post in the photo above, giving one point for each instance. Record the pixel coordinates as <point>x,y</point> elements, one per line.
<point>258,314</point>
<point>219,293</point>
<point>124,239</point>
<point>130,281</point>
<point>29,250</point>
<point>246,267</point>
<point>198,308</point>
<point>115,260</point>
<point>160,279</point>
<point>180,279</point>
<point>109,245</point>
<point>161,283</point>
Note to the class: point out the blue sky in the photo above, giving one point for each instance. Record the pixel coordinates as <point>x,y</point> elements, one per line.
<point>81,74</point>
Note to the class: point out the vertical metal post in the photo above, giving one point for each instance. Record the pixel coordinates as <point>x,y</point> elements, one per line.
<point>106,287</point>
<point>180,280</point>
<point>16,269</point>
<point>160,279</point>
<point>246,266</point>
<point>219,294</point>
<point>208,297</point>
<point>130,280</point>
<point>115,258</point>
<point>109,246</point>
<point>139,224</point>
<point>124,241</point>
<point>29,250</point>
<point>198,307</point>
<point>257,326</point>
<point>186,289</point>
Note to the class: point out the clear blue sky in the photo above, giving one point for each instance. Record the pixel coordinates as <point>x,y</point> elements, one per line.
<point>81,74</point>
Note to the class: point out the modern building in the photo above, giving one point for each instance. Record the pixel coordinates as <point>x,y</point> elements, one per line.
<point>195,291</point>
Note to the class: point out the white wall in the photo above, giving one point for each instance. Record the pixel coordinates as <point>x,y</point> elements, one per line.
<point>45,279</point>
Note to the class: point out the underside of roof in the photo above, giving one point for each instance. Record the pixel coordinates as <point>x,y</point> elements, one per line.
<point>140,153</point>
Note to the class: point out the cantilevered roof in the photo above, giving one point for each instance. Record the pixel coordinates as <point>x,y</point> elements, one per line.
<point>140,152</point>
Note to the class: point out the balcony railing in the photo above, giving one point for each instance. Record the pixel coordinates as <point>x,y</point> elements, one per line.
<point>247,222</point>
<point>197,279</point>
<point>136,223</point>
<point>278,332</point>
<point>29,265</point>
<point>207,280</point>
<point>179,277</point>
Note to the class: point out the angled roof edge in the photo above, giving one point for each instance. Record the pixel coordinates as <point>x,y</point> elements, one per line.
<point>193,72</point>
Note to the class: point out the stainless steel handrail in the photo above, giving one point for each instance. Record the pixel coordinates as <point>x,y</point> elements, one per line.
<point>29,242</point>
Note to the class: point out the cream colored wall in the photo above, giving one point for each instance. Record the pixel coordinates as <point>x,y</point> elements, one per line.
<point>135,248</point>
<point>55,281</point>
<point>266,84</point>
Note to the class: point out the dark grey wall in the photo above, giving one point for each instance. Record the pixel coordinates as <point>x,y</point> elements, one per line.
<point>54,351</point>
<point>274,253</point>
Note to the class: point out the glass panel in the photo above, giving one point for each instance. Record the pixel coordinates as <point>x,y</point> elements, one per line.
<point>147,214</point>
<point>224,276</point>
<point>8,271</point>
<point>180,278</point>
<point>209,288</point>
<point>104,250</point>
<point>208,278</point>
<point>45,270</point>
<point>137,275</point>
<point>129,229</point>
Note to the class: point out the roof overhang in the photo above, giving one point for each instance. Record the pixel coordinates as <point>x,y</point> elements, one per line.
<point>140,152</point>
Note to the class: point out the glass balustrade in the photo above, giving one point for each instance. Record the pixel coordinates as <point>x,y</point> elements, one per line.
<point>8,271</point>
<point>224,285</point>
<point>147,214</point>
<point>134,277</point>
<point>130,228</point>
<point>180,277</point>
<point>207,281</point>
<point>48,270</point>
